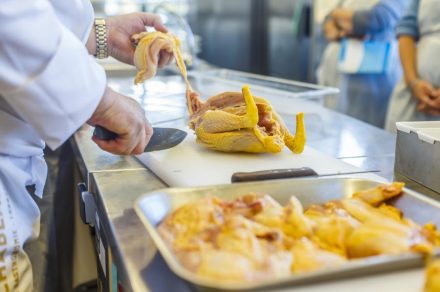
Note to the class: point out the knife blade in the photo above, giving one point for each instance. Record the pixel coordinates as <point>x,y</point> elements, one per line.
<point>284,173</point>
<point>163,138</point>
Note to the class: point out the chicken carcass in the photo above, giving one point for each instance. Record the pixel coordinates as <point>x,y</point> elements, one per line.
<point>228,122</point>
<point>241,122</point>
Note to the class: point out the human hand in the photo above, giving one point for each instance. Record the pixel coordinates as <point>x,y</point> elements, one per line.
<point>427,96</point>
<point>435,111</point>
<point>331,31</point>
<point>344,20</point>
<point>123,116</point>
<point>119,31</point>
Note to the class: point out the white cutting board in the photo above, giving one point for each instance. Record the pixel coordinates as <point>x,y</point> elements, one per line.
<point>190,164</point>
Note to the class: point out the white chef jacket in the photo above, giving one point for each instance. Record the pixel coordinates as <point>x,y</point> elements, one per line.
<point>49,87</point>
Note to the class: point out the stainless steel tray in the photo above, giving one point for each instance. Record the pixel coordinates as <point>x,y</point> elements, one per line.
<point>153,207</point>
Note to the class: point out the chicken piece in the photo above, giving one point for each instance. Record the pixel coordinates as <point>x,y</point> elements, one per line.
<point>391,212</point>
<point>333,226</point>
<point>432,276</point>
<point>203,219</point>
<point>308,257</point>
<point>385,237</point>
<point>381,233</point>
<point>245,248</point>
<point>234,267</point>
<point>225,265</point>
<point>376,196</point>
<point>255,241</point>
<point>248,205</point>
<point>146,55</point>
<point>430,232</point>
<point>241,122</point>
<point>260,231</point>
<point>364,212</point>
<point>271,214</point>
<point>297,224</point>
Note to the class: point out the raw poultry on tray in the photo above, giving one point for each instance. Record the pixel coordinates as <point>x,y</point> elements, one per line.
<point>255,238</point>
<point>229,121</point>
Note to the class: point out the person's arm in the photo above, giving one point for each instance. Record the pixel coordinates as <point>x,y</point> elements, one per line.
<point>408,52</point>
<point>47,75</point>
<point>407,32</point>
<point>50,81</point>
<point>421,89</point>
<point>383,16</point>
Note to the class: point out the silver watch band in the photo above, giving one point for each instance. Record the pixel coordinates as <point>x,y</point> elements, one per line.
<point>101,38</point>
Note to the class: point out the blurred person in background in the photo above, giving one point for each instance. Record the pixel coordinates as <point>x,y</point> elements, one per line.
<point>417,96</point>
<point>364,96</point>
<point>50,85</point>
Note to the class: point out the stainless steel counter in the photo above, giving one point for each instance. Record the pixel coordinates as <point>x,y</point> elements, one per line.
<point>117,181</point>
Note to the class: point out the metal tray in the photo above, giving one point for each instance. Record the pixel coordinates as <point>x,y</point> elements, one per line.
<point>153,207</point>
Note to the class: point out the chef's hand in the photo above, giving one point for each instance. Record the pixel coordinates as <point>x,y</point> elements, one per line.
<point>344,20</point>
<point>119,31</point>
<point>125,117</point>
<point>426,95</point>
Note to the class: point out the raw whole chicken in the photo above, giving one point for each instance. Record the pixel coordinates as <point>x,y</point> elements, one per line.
<point>241,122</point>
<point>228,122</point>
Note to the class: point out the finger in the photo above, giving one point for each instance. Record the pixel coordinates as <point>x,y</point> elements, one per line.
<point>434,112</point>
<point>427,100</point>
<point>144,137</point>
<point>162,57</point>
<point>165,59</point>
<point>111,146</point>
<point>139,149</point>
<point>153,20</point>
<point>148,130</point>
<point>430,90</point>
<point>422,106</point>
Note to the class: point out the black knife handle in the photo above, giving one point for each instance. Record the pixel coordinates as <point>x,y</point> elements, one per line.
<point>273,174</point>
<point>104,134</point>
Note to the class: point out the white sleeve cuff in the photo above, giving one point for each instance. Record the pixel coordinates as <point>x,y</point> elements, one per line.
<point>64,96</point>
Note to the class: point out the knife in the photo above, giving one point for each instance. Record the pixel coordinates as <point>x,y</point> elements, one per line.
<point>284,173</point>
<point>163,138</point>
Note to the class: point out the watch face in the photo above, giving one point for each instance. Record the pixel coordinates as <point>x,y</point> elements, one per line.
<point>100,21</point>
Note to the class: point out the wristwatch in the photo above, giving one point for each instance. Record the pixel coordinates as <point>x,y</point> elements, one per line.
<point>101,39</point>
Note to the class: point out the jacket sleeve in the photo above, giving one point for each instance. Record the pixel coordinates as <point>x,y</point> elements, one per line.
<point>382,17</point>
<point>47,77</point>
